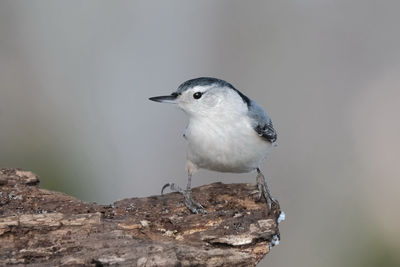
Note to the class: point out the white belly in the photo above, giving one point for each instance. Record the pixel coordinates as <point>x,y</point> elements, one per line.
<point>227,147</point>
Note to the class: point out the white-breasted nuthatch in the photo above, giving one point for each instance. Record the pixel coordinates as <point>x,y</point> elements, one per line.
<point>227,132</point>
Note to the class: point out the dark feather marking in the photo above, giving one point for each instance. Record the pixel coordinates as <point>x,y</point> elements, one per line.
<point>267,131</point>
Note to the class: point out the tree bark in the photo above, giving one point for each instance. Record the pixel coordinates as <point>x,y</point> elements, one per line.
<point>44,228</point>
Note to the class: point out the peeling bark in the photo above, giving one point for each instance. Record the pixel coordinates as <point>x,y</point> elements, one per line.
<point>44,228</point>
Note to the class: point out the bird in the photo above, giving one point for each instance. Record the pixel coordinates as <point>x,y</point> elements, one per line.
<point>226,132</point>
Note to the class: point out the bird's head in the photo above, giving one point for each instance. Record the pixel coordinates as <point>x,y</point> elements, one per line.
<point>204,96</point>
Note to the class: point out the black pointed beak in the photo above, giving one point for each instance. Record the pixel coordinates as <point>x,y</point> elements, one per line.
<point>165,98</point>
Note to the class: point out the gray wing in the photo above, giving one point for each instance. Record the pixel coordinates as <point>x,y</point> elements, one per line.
<point>261,123</point>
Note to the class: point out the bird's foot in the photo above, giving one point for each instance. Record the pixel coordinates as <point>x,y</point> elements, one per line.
<point>192,205</point>
<point>263,191</point>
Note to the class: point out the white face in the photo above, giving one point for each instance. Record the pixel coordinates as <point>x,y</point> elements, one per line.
<point>210,100</point>
<point>206,101</point>
<point>200,99</point>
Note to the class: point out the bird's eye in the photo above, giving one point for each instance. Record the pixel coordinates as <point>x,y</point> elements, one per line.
<point>197,95</point>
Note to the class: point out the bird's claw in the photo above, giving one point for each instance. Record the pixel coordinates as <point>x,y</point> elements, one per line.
<point>165,186</point>
<point>263,191</point>
<point>192,205</point>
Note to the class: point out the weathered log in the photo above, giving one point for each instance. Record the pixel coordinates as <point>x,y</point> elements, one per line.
<point>45,228</point>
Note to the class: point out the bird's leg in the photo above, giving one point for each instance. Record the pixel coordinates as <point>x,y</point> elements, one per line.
<point>192,205</point>
<point>263,190</point>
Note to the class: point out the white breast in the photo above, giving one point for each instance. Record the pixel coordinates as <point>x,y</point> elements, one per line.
<point>225,143</point>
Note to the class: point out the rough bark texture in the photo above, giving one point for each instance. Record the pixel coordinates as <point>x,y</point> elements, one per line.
<point>44,228</point>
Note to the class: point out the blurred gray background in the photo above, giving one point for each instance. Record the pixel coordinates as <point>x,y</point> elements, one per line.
<point>75,77</point>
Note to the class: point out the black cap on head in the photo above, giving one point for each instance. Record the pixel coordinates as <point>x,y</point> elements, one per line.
<point>204,81</point>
